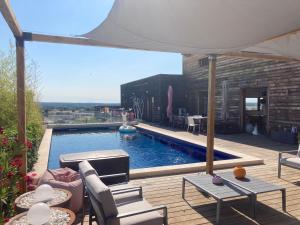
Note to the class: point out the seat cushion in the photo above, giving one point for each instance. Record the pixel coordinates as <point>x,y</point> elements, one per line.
<point>46,177</point>
<point>86,169</point>
<point>150,218</point>
<point>102,194</point>
<point>75,187</point>
<point>293,162</point>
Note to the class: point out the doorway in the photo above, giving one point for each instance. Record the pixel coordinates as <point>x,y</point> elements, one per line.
<point>201,103</point>
<point>255,110</point>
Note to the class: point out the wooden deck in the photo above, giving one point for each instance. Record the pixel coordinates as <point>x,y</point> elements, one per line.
<point>199,209</point>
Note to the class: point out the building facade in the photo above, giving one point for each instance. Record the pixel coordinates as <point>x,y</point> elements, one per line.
<point>248,91</point>
<point>148,97</point>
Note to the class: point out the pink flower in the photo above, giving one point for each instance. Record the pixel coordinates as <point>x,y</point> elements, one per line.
<point>5,141</point>
<point>28,144</point>
<point>6,220</point>
<point>17,162</point>
<point>10,174</point>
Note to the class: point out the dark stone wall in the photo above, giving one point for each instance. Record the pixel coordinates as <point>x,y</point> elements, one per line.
<point>153,92</point>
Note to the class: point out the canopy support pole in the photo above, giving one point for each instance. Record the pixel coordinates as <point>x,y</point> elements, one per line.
<point>211,113</point>
<point>21,107</point>
<point>10,18</point>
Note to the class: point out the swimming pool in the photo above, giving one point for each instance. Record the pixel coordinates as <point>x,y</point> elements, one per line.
<point>146,149</point>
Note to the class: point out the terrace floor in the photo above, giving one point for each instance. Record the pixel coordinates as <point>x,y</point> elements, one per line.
<point>198,209</point>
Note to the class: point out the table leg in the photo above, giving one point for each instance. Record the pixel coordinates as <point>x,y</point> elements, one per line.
<point>83,211</point>
<point>183,188</point>
<point>218,211</point>
<point>253,205</point>
<point>91,213</point>
<point>283,192</point>
<point>141,192</point>
<point>200,124</point>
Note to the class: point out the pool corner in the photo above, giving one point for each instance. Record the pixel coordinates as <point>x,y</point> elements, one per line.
<point>43,152</point>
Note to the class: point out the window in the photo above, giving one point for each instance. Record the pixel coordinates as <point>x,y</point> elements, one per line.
<point>251,103</point>
<point>203,62</point>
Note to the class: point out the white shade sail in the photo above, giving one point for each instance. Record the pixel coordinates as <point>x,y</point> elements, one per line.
<point>200,26</point>
<point>288,46</point>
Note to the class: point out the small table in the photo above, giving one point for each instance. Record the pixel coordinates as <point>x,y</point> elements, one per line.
<point>218,192</point>
<point>61,198</point>
<point>59,216</point>
<point>255,186</point>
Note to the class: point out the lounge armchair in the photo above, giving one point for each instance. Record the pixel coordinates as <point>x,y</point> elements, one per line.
<point>85,169</point>
<point>131,213</point>
<point>293,162</point>
<point>122,192</point>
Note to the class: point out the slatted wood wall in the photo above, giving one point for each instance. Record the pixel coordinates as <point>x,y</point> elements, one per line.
<point>281,78</point>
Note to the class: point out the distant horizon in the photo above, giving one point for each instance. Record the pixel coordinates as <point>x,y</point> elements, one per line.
<point>79,102</point>
<point>73,105</point>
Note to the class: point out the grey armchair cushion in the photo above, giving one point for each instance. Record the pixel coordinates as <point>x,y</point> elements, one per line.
<point>292,162</point>
<point>102,194</point>
<point>150,218</point>
<point>86,169</point>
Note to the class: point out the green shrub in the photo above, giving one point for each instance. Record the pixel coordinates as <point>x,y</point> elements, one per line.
<point>8,92</point>
<point>8,121</point>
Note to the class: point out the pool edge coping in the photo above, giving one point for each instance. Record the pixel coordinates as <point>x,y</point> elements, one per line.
<point>43,152</point>
<point>244,160</point>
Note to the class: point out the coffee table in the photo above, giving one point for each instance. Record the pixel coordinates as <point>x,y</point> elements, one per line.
<point>59,216</point>
<point>255,186</point>
<point>219,192</point>
<point>61,198</point>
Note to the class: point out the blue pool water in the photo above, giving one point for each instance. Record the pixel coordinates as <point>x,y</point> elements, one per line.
<point>145,150</point>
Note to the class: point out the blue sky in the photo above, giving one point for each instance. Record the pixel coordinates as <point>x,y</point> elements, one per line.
<point>70,73</point>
